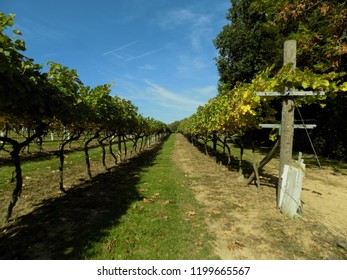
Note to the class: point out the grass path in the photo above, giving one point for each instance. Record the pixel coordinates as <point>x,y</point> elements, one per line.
<point>165,223</point>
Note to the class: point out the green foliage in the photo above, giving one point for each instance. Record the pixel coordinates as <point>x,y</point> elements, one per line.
<point>253,40</point>
<point>320,29</point>
<point>71,108</point>
<point>24,91</point>
<point>173,126</point>
<point>238,110</point>
<point>249,44</point>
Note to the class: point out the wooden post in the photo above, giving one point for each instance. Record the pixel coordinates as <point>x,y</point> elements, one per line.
<point>286,132</point>
<point>287,122</point>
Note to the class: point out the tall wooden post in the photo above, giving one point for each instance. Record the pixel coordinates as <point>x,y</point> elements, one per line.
<point>287,122</point>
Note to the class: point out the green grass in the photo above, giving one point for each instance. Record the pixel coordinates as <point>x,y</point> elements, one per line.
<point>167,223</point>
<point>36,165</point>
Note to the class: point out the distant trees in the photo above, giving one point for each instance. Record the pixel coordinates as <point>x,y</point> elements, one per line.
<point>249,44</point>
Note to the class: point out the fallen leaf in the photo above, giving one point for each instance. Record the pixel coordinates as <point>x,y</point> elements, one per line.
<point>233,229</point>
<point>148,200</point>
<point>191,213</point>
<point>236,246</point>
<point>167,201</point>
<point>109,245</point>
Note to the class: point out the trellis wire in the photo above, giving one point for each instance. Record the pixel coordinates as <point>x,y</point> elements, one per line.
<point>309,138</point>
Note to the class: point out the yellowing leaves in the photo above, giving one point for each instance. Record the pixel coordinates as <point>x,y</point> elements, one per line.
<point>246,94</point>
<point>305,84</point>
<point>325,83</point>
<point>245,109</point>
<point>343,87</point>
<point>257,99</point>
<point>235,110</point>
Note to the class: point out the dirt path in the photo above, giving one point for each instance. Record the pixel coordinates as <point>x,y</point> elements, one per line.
<point>246,223</point>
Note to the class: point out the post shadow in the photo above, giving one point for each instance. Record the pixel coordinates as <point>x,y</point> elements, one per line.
<point>268,180</point>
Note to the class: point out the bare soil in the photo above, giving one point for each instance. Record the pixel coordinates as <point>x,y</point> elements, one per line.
<point>245,221</point>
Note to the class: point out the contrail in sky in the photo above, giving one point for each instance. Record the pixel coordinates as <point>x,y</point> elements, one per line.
<point>120,48</point>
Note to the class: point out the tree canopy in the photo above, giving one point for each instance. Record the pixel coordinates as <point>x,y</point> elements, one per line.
<point>253,39</point>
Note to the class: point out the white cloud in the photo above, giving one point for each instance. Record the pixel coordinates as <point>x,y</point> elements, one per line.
<point>190,67</point>
<point>208,91</point>
<point>199,25</point>
<point>161,102</point>
<point>177,17</point>
<point>168,105</point>
<point>202,20</point>
<point>198,37</point>
<point>169,98</point>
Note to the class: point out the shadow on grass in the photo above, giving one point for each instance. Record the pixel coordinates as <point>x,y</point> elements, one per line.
<point>60,228</point>
<point>233,164</point>
<point>339,167</point>
<point>37,156</point>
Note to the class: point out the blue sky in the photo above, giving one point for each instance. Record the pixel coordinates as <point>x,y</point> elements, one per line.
<point>159,53</point>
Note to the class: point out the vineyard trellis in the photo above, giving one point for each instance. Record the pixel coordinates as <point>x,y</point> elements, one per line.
<point>59,102</point>
<point>239,110</point>
<point>287,126</point>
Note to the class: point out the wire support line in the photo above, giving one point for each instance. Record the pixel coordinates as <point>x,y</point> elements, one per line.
<point>309,138</point>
